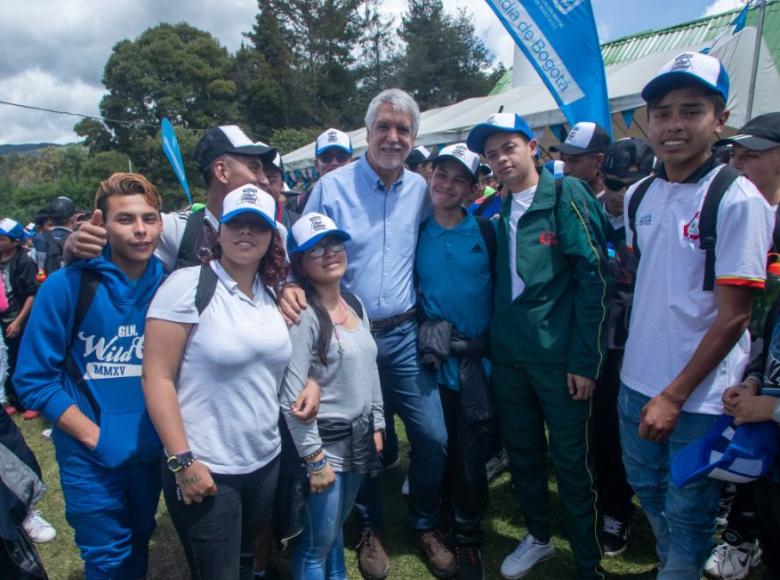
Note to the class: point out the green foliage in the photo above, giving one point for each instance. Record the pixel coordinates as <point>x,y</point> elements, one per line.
<point>287,140</point>
<point>445,61</point>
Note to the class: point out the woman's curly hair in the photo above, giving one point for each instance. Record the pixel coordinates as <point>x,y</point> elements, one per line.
<point>273,267</point>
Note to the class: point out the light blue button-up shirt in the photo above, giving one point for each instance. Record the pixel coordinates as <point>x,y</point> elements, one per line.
<point>383,224</point>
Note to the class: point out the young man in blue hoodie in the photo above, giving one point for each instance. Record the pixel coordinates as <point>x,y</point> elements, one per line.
<point>80,364</point>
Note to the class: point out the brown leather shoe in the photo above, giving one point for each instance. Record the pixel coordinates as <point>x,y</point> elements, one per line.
<point>440,560</point>
<point>372,558</point>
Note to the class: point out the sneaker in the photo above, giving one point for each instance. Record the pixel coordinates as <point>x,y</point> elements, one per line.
<point>405,486</point>
<point>496,465</point>
<point>37,529</point>
<point>469,562</point>
<point>10,410</point>
<point>373,562</point>
<point>29,415</point>
<point>46,433</point>
<point>732,561</point>
<point>528,553</point>
<point>614,536</point>
<point>440,560</point>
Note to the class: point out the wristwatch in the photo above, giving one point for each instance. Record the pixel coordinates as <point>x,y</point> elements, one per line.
<point>180,461</point>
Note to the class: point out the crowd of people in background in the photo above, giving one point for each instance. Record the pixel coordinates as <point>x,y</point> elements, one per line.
<point>247,358</point>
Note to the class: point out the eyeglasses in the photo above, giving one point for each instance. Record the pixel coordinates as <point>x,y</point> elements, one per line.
<point>318,251</point>
<point>616,184</point>
<point>329,156</point>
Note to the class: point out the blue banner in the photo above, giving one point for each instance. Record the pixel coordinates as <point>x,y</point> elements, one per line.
<point>171,149</point>
<point>559,38</point>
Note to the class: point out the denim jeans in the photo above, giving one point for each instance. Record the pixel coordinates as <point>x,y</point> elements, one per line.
<point>413,394</point>
<point>319,554</point>
<point>683,520</point>
<point>220,535</point>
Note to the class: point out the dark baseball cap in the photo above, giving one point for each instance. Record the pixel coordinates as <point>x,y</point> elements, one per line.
<point>759,134</point>
<point>229,139</point>
<point>584,137</point>
<point>418,155</point>
<point>625,154</point>
<point>62,207</point>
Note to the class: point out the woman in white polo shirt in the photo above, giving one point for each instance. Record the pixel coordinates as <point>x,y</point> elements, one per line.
<point>211,380</point>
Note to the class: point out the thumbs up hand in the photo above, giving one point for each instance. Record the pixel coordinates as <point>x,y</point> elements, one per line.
<point>89,240</point>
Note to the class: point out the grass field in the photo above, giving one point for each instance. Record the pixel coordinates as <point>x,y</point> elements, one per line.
<point>503,528</point>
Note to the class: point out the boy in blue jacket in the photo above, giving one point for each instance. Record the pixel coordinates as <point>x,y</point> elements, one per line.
<point>80,365</point>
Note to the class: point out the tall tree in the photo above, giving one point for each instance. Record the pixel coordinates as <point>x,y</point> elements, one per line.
<point>379,53</point>
<point>444,61</point>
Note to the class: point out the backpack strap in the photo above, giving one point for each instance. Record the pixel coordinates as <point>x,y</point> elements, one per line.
<point>90,280</point>
<point>708,220</point>
<point>207,285</point>
<point>190,241</point>
<point>353,303</point>
<point>488,233</point>
<point>633,208</point>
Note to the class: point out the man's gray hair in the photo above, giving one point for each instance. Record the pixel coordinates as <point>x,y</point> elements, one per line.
<point>400,101</point>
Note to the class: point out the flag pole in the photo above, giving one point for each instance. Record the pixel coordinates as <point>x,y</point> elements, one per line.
<point>756,57</point>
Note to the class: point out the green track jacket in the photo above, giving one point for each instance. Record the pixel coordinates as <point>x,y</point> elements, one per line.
<point>561,256</point>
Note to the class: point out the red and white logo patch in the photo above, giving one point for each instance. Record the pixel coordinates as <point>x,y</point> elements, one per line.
<point>691,229</point>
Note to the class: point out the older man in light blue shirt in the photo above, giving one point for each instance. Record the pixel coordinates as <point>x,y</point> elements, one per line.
<point>381,205</point>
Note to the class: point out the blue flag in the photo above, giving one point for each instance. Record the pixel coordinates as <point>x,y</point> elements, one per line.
<point>171,149</point>
<point>560,40</point>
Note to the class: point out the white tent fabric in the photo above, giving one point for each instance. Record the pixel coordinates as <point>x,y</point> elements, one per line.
<point>625,81</point>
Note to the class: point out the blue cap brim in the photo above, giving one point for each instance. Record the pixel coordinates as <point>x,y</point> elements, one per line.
<point>662,84</point>
<point>327,148</point>
<point>230,215</point>
<point>480,133</point>
<point>293,248</point>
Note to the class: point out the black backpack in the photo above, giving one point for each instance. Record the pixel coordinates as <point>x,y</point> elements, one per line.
<point>191,241</point>
<point>90,280</point>
<point>708,219</point>
<point>54,253</point>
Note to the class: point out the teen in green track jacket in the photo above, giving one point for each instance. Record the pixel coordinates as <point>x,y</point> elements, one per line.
<point>547,340</point>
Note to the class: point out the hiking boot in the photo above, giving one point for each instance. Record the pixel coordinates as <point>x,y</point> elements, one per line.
<point>37,529</point>
<point>440,560</point>
<point>469,559</point>
<point>528,553</point>
<point>614,536</point>
<point>732,558</point>
<point>373,562</point>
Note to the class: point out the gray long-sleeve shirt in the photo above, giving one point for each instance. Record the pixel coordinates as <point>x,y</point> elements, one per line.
<point>349,385</point>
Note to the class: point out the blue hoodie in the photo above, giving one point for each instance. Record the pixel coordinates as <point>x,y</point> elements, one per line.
<point>108,352</point>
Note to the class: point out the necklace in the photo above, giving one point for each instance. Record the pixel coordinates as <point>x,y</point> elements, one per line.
<point>337,323</point>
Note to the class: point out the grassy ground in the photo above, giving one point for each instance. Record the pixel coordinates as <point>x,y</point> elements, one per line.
<point>503,528</point>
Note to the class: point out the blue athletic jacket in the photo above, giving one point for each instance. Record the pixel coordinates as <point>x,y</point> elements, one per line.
<point>107,352</point>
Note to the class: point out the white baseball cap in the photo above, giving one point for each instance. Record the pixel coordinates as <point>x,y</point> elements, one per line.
<point>310,229</point>
<point>249,199</point>
<point>461,153</point>
<point>584,137</point>
<point>333,139</point>
<point>701,69</point>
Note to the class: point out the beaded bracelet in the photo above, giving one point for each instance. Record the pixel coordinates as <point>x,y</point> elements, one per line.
<point>311,456</point>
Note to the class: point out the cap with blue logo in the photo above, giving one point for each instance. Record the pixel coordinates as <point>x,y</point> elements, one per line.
<point>727,452</point>
<point>249,199</point>
<point>12,229</point>
<point>460,153</point>
<point>497,123</point>
<point>333,139</point>
<point>688,67</point>
<point>310,229</point>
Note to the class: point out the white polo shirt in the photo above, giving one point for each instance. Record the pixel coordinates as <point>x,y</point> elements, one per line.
<point>230,372</point>
<point>671,311</point>
<point>520,204</point>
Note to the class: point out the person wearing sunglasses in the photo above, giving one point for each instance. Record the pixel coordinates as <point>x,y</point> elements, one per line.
<point>333,149</point>
<point>211,376</point>
<point>333,346</point>
<point>625,162</point>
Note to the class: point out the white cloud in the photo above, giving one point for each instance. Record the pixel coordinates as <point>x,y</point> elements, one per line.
<point>719,6</point>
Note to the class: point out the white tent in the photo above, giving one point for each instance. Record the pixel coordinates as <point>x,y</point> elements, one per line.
<point>625,81</point>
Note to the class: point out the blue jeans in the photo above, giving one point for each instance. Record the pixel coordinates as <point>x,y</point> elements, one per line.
<point>112,513</point>
<point>412,392</point>
<point>683,520</point>
<point>319,554</point>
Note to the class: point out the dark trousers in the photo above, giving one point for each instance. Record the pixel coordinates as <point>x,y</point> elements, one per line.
<point>614,492</point>
<point>767,499</point>
<point>12,344</point>
<point>220,534</point>
<point>465,486</point>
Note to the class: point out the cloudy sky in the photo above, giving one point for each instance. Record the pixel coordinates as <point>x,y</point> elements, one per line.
<point>54,50</point>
